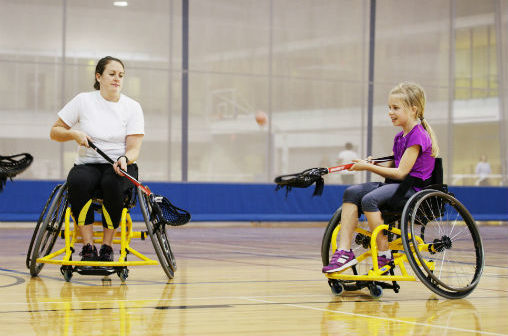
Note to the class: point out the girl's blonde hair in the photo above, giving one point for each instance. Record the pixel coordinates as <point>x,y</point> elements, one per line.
<point>411,95</point>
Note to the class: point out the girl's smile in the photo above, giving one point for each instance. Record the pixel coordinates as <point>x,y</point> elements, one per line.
<point>400,114</point>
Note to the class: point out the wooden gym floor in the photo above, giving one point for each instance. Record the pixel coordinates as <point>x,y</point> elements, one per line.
<point>243,279</point>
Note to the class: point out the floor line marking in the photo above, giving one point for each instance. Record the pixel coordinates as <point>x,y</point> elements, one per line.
<point>379,318</point>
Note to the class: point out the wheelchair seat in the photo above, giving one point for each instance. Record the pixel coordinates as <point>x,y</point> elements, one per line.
<point>129,198</point>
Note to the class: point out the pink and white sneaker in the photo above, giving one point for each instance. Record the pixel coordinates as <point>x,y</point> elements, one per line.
<point>340,261</point>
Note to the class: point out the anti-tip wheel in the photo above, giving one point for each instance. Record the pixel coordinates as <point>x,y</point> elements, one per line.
<point>66,272</point>
<point>336,287</point>
<point>123,274</point>
<point>376,291</point>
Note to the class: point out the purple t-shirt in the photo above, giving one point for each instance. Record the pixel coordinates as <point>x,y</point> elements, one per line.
<point>424,164</point>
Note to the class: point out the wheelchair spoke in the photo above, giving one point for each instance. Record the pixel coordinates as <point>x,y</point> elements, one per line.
<point>442,263</point>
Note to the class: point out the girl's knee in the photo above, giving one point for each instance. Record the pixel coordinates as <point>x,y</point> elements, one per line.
<point>369,204</point>
<point>350,194</point>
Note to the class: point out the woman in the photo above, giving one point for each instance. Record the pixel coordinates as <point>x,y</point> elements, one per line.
<point>114,122</point>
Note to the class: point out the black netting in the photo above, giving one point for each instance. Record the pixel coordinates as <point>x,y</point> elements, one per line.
<point>171,214</point>
<point>10,166</point>
<point>303,180</point>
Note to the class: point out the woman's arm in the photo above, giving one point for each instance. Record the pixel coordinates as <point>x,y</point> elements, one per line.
<point>132,148</point>
<point>62,132</point>
<point>405,165</point>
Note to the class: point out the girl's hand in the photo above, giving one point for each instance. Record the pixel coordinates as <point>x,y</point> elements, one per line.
<point>360,165</point>
<point>81,138</point>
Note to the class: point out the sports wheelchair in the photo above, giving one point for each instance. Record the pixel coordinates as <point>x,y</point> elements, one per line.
<point>55,221</point>
<point>433,231</point>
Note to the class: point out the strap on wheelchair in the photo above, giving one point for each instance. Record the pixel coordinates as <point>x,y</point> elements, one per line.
<point>399,198</point>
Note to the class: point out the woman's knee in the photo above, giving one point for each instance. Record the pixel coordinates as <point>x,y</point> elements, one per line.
<point>83,178</point>
<point>111,184</point>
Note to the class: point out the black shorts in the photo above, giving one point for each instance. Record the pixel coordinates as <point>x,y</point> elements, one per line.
<point>87,180</point>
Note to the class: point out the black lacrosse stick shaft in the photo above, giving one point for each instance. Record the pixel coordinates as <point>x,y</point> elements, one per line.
<point>127,175</point>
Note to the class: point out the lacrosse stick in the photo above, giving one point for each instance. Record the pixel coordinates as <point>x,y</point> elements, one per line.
<point>162,208</point>
<point>310,176</point>
<point>10,166</point>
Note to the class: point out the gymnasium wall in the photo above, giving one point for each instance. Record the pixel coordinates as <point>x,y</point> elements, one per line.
<point>23,200</point>
<point>304,63</point>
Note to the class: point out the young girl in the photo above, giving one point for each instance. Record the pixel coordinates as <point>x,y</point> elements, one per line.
<point>414,150</point>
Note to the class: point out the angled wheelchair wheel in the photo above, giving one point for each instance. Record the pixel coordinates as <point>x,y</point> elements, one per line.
<point>39,222</point>
<point>47,229</point>
<point>442,243</point>
<point>158,235</point>
<point>326,244</point>
<point>360,243</point>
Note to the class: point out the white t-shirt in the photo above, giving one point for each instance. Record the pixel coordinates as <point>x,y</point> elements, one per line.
<point>483,170</point>
<point>347,156</point>
<point>107,123</point>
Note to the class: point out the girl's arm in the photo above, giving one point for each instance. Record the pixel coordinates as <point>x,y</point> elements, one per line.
<point>405,165</point>
<point>62,132</point>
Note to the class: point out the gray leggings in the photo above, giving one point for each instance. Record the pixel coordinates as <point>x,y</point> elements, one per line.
<point>369,196</point>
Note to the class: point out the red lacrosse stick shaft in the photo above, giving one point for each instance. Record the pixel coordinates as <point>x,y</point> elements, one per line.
<point>349,165</point>
<point>340,168</point>
<point>136,182</point>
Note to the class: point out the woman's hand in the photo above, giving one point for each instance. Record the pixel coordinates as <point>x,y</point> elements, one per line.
<point>120,163</point>
<point>81,138</point>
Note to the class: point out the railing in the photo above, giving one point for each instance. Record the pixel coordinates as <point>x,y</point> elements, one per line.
<point>474,180</point>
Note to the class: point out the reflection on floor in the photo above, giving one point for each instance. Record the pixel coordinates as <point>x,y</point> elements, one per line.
<point>243,279</point>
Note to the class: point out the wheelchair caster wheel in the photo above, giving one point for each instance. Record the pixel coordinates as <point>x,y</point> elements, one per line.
<point>376,291</point>
<point>123,274</point>
<point>336,286</point>
<point>66,272</point>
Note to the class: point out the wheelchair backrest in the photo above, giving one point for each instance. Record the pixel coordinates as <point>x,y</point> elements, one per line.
<point>391,212</point>
<point>437,173</point>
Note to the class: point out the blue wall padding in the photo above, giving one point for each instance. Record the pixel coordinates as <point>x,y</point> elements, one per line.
<point>23,200</point>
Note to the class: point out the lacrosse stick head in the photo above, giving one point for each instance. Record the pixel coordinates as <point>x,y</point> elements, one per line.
<point>167,212</point>
<point>303,180</point>
<point>10,166</point>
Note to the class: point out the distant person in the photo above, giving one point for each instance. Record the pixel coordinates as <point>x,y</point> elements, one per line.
<point>347,156</point>
<point>483,171</point>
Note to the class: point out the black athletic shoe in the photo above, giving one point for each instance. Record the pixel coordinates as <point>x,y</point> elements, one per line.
<point>89,253</point>
<point>106,253</point>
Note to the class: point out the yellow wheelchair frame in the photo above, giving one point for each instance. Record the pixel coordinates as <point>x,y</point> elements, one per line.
<point>71,237</point>
<point>57,213</point>
<point>431,223</point>
<point>376,273</point>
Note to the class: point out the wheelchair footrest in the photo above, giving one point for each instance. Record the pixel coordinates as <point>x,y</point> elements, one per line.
<point>357,285</point>
<point>96,270</point>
